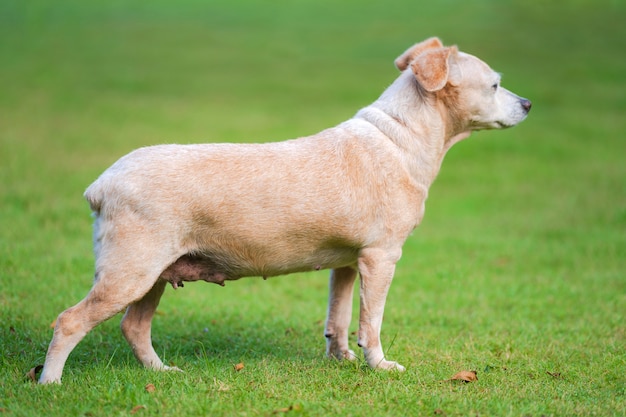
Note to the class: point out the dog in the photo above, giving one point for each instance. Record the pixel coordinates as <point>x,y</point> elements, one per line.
<point>345,199</point>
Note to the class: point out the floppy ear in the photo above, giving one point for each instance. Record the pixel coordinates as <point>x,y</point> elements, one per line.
<point>403,61</point>
<point>435,68</point>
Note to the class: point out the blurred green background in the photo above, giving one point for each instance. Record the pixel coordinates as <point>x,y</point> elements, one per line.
<point>525,229</point>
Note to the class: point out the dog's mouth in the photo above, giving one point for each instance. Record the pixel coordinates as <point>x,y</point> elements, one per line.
<point>492,125</point>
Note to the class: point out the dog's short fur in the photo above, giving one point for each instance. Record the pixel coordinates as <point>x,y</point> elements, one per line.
<point>344,199</point>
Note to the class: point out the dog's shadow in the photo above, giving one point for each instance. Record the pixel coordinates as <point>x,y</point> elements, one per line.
<point>236,337</point>
<point>197,339</point>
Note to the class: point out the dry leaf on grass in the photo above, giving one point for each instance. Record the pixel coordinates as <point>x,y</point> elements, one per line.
<point>465,376</point>
<point>53,324</point>
<point>137,408</point>
<point>150,388</point>
<point>555,375</point>
<point>32,374</point>
<point>239,366</point>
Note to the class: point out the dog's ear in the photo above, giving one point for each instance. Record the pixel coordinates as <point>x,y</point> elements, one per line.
<point>434,68</point>
<point>403,61</point>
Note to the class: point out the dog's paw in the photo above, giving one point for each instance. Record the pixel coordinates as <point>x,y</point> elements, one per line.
<point>390,366</point>
<point>43,380</point>
<point>171,368</point>
<point>46,377</point>
<point>339,354</point>
<point>349,355</point>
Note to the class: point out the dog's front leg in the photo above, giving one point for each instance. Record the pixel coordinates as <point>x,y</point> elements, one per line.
<point>339,313</point>
<point>376,268</point>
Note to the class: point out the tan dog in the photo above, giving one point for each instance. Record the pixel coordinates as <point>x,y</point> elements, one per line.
<point>345,199</point>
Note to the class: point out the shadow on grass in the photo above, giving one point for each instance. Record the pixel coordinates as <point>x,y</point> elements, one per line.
<point>231,339</point>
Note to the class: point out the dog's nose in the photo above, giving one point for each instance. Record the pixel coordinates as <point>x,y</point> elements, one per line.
<point>526,104</point>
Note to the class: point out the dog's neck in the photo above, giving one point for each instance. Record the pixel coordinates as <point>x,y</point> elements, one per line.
<point>415,125</point>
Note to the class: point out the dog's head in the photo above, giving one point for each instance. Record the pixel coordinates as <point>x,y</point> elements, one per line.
<point>466,84</point>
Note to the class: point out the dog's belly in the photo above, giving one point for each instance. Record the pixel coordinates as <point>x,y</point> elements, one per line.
<point>194,268</point>
<point>218,269</point>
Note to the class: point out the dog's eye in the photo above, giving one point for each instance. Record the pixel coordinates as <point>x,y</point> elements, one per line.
<point>494,87</point>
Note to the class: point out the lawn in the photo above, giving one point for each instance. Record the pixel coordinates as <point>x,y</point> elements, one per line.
<point>518,270</point>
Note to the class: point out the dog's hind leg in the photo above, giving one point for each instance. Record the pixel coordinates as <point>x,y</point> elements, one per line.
<point>136,326</point>
<point>339,313</point>
<point>105,299</point>
<point>126,270</point>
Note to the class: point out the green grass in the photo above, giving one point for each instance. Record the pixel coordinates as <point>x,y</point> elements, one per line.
<point>518,270</point>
